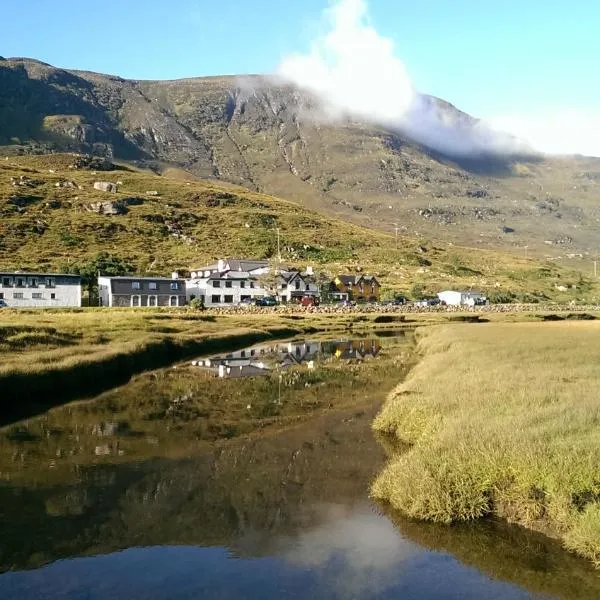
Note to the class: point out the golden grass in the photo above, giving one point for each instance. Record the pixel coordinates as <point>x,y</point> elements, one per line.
<point>503,419</point>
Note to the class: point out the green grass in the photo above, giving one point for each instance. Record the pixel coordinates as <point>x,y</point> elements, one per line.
<point>501,419</point>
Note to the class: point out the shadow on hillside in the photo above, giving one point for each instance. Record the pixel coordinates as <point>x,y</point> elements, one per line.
<point>25,102</point>
<point>494,165</point>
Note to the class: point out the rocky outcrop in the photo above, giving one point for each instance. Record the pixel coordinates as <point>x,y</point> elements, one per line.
<point>105,186</point>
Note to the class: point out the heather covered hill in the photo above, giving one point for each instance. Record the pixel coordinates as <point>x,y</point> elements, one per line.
<point>274,138</point>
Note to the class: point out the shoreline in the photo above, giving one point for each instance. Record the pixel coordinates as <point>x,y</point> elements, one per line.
<point>508,440</point>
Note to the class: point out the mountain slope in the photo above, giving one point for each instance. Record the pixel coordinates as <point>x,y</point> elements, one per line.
<point>53,218</point>
<point>268,136</point>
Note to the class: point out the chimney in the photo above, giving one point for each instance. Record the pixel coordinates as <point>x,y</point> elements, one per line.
<point>220,265</point>
<point>174,275</point>
<point>310,270</point>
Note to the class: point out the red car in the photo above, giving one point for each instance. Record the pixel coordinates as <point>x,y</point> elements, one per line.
<point>309,301</point>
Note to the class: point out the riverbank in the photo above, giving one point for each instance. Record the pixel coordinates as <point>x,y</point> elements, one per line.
<point>46,355</point>
<point>501,419</point>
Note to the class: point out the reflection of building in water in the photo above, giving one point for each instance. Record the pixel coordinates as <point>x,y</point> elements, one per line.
<point>261,360</point>
<point>353,349</point>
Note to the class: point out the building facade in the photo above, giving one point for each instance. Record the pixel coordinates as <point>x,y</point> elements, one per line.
<point>40,290</point>
<point>458,298</point>
<point>355,287</point>
<point>136,292</point>
<point>235,281</point>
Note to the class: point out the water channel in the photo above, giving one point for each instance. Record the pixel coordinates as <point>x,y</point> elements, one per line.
<point>245,475</point>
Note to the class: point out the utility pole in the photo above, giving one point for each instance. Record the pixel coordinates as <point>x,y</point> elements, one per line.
<point>278,246</point>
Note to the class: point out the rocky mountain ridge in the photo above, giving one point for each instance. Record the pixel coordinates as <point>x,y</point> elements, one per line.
<point>270,137</point>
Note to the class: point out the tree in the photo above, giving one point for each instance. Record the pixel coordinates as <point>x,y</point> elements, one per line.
<point>269,281</point>
<point>104,264</point>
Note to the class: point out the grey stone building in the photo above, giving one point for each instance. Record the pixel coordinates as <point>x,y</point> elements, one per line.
<point>39,290</point>
<point>131,291</point>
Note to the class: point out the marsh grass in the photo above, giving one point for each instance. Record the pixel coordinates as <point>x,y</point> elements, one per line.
<point>501,419</point>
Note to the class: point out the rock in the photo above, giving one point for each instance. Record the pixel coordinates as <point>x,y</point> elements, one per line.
<point>507,229</point>
<point>152,193</point>
<point>133,201</point>
<point>105,186</point>
<point>477,194</point>
<point>92,162</point>
<point>107,208</point>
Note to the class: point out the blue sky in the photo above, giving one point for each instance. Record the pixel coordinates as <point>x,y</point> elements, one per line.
<point>488,57</point>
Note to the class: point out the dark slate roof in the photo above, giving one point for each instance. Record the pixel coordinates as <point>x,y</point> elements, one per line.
<point>348,279</point>
<point>34,274</point>
<point>141,278</point>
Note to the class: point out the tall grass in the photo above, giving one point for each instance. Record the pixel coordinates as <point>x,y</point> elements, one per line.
<point>502,419</point>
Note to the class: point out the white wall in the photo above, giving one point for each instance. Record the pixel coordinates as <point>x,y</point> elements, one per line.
<point>63,292</point>
<point>205,287</point>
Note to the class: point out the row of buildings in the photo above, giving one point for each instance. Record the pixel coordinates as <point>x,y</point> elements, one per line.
<point>224,283</point>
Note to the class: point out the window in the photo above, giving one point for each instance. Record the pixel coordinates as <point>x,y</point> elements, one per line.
<point>242,284</point>
<point>18,295</point>
<point>135,300</point>
<point>297,285</point>
<point>33,282</point>
<point>284,286</point>
<point>216,284</point>
<point>215,299</point>
<point>50,283</point>
<point>20,282</point>
<point>153,285</point>
<point>1,295</point>
<point>6,282</point>
<point>173,300</point>
<point>252,284</point>
<point>36,296</point>
<point>175,285</point>
<point>228,299</point>
<point>152,301</point>
<point>308,287</point>
<point>136,285</point>
<point>53,296</point>
<point>228,284</point>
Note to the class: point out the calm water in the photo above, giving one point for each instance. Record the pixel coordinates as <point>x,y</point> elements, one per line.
<point>208,480</point>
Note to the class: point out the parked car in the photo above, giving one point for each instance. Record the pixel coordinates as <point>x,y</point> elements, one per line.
<point>309,301</point>
<point>3,304</point>
<point>399,301</point>
<point>266,301</point>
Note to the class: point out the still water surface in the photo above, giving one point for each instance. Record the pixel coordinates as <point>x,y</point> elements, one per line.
<point>244,476</point>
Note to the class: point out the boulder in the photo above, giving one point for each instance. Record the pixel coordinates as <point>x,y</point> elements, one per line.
<point>105,186</point>
<point>107,208</point>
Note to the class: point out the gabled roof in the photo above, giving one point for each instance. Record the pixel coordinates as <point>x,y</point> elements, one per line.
<point>348,279</point>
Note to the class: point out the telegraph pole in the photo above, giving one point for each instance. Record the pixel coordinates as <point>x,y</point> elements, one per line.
<point>278,246</point>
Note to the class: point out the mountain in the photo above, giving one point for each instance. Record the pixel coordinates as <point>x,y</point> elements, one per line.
<point>271,137</point>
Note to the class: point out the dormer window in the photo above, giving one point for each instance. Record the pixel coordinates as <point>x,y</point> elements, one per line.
<point>174,285</point>
<point>136,285</point>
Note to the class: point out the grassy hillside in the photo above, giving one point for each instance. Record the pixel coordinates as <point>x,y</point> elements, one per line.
<point>50,221</point>
<point>263,135</point>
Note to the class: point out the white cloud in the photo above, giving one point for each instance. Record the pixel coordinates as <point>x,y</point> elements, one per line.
<point>355,72</point>
<point>559,132</point>
<point>352,68</point>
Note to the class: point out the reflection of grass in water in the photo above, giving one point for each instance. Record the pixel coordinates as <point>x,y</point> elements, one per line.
<point>167,412</point>
<point>502,419</point>
<point>508,553</point>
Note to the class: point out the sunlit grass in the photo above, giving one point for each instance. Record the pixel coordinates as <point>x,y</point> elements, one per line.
<point>504,419</point>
